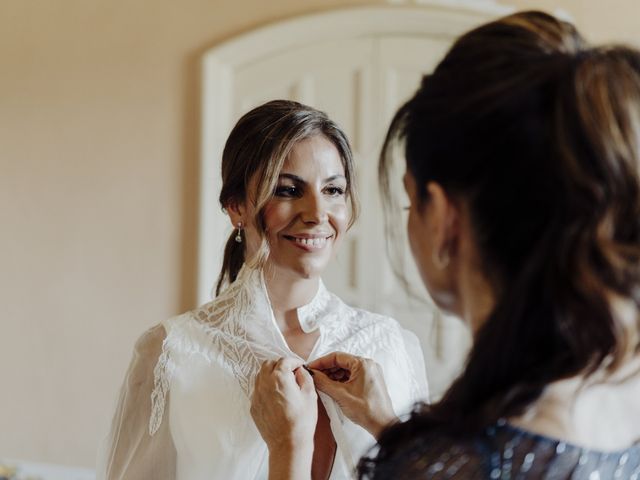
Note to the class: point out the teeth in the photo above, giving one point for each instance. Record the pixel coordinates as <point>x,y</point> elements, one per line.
<point>312,242</point>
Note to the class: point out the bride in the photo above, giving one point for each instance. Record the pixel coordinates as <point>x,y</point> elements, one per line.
<point>184,408</point>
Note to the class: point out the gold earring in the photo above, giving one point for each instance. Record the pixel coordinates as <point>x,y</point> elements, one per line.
<point>238,234</point>
<point>441,258</point>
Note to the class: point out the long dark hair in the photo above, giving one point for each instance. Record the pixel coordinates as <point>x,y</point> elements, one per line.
<point>538,134</point>
<point>256,149</point>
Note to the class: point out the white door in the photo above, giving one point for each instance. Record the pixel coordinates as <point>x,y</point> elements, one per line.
<point>401,64</point>
<point>360,80</point>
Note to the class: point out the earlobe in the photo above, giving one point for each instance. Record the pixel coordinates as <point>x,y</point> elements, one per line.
<point>236,212</point>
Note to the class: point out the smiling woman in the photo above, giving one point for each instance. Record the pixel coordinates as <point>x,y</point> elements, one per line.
<point>307,216</point>
<point>184,412</point>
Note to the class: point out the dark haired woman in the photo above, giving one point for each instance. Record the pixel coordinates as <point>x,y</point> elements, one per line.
<point>288,183</point>
<point>522,158</point>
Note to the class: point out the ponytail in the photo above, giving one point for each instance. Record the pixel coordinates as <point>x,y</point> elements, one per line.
<point>231,263</point>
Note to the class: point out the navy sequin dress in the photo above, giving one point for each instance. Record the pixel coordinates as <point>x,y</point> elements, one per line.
<point>506,452</point>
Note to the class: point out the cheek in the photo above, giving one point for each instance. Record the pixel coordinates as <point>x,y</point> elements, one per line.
<point>411,230</point>
<point>276,217</point>
<point>339,218</point>
<point>416,237</point>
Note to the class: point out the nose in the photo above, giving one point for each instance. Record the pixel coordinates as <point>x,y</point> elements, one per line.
<point>314,209</point>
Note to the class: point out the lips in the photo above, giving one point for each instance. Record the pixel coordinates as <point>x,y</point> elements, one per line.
<point>310,242</point>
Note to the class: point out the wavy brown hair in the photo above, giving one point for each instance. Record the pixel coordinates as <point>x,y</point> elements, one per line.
<point>538,134</point>
<point>256,149</point>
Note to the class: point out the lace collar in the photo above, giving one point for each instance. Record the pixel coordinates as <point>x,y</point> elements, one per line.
<point>311,316</point>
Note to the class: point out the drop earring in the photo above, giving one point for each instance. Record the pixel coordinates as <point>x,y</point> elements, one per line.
<point>238,234</point>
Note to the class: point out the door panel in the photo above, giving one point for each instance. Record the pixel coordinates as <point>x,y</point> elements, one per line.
<point>401,64</point>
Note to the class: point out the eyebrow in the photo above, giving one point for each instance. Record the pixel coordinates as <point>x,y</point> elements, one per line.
<point>298,179</point>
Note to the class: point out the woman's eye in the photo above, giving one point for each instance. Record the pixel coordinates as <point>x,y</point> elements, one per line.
<point>334,191</point>
<point>287,191</point>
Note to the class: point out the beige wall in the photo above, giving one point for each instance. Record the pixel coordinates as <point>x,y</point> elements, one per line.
<point>600,21</point>
<point>98,190</point>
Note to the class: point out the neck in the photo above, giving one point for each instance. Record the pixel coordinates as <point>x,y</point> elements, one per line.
<point>475,295</point>
<point>477,299</point>
<point>287,294</point>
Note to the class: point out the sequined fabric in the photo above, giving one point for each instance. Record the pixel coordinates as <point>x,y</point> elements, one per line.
<point>505,452</point>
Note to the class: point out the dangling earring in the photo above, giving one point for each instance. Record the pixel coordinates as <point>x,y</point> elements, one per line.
<point>238,234</point>
<point>441,258</point>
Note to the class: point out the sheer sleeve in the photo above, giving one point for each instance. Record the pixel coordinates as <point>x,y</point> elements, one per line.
<point>130,452</point>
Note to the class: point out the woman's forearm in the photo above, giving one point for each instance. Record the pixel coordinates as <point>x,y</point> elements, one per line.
<point>291,463</point>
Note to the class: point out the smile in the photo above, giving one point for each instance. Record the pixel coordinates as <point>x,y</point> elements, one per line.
<point>310,243</point>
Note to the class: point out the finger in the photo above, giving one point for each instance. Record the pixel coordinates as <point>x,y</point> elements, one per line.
<point>326,385</point>
<point>289,364</point>
<point>333,360</point>
<point>266,367</point>
<point>326,362</point>
<point>265,370</point>
<point>340,375</point>
<point>304,380</point>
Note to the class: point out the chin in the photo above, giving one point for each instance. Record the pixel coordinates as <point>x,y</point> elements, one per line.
<point>308,270</point>
<point>444,299</point>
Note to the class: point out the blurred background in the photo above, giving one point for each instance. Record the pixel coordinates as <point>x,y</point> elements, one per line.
<point>100,133</point>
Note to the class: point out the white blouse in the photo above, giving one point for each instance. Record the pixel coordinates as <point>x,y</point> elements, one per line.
<point>184,406</point>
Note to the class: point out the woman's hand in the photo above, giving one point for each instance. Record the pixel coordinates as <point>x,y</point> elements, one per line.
<point>284,408</point>
<point>357,385</point>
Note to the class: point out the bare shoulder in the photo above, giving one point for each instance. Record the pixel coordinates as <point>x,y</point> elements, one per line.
<point>601,414</point>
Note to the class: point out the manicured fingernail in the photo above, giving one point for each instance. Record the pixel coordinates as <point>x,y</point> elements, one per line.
<point>308,370</point>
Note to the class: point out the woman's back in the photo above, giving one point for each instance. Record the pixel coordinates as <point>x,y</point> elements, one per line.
<point>503,451</point>
<point>574,431</point>
<point>596,414</point>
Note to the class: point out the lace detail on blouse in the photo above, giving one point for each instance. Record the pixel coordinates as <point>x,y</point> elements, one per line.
<point>221,321</point>
<point>161,380</point>
<point>239,331</point>
<point>216,320</point>
<point>348,330</point>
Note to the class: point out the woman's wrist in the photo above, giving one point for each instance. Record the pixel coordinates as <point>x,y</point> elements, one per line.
<point>290,461</point>
<point>378,424</point>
